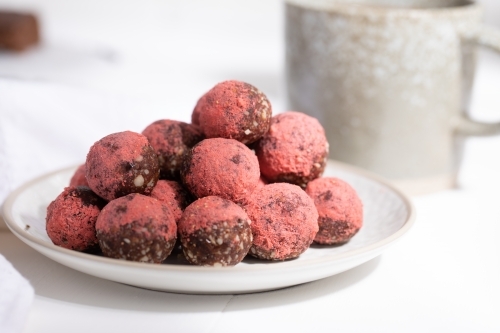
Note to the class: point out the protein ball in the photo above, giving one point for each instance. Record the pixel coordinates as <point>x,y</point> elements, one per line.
<point>221,167</point>
<point>136,228</point>
<point>284,221</point>
<point>78,178</point>
<point>122,163</point>
<point>172,140</point>
<point>215,232</point>
<point>173,195</point>
<point>235,110</point>
<point>295,149</point>
<point>339,207</point>
<point>71,219</point>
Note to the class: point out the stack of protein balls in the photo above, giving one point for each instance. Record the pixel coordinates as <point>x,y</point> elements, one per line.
<point>236,181</point>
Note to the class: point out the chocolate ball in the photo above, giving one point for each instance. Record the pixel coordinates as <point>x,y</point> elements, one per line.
<point>340,210</point>
<point>172,140</point>
<point>120,164</point>
<point>295,149</point>
<point>71,219</point>
<point>136,228</point>
<point>234,110</point>
<point>215,232</point>
<point>221,167</point>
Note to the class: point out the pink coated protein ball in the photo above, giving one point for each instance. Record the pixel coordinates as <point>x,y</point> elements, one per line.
<point>234,110</point>
<point>295,149</point>
<point>122,163</point>
<point>215,232</point>
<point>136,228</point>
<point>284,221</point>
<point>172,140</point>
<point>339,207</point>
<point>78,178</point>
<point>221,167</point>
<point>71,219</point>
<point>172,194</point>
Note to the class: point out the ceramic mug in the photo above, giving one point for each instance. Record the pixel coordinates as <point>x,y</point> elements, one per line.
<point>390,83</point>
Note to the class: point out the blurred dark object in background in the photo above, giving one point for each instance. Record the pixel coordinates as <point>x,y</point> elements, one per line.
<point>18,31</point>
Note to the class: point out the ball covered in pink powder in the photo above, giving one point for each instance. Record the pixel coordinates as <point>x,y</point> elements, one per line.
<point>71,219</point>
<point>284,221</point>
<point>122,163</point>
<point>172,140</point>
<point>234,110</point>
<point>339,207</point>
<point>78,178</point>
<point>295,149</point>
<point>215,232</point>
<point>136,228</point>
<point>221,167</point>
<point>172,194</point>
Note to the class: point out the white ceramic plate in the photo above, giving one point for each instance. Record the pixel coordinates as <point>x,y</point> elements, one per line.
<point>388,214</point>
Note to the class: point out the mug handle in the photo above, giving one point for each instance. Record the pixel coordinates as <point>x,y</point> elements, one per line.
<point>489,38</point>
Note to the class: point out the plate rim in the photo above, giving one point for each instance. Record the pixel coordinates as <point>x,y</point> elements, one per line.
<point>6,212</point>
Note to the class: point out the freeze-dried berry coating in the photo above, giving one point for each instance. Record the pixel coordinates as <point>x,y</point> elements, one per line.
<point>222,167</point>
<point>172,140</point>
<point>260,184</point>
<point>71,218</point>
<point>215,232</point>
<point>235,110</point>
<point>195,116</point>
<point>339,207</point>
<point>284,221</point>
<point>136,228</point>
<point>295,149</point>
<point>122,163</point>
<point>173,195</point>
<point>78,178</point>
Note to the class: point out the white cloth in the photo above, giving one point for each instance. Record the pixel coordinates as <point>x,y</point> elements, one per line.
<point>16,297</point>
<point>45,126</point>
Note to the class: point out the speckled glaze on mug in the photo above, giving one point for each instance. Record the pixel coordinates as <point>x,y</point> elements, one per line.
<point>390,83</point>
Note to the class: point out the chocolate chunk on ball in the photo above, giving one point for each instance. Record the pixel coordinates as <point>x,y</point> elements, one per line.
<point>215,232</point>
<point>71,219</point>
<point>136,228</point>
<point>172,140</point>
<point>122,163</point>
<point>235,110</point>
<point>284,221</point>
<point>221,167</point>
<point>78,178</point>
<point>295,149</point>
<point>174,195</point>
<point>340,210</point>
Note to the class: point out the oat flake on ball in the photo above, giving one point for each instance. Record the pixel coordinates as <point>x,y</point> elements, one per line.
<point>295,149</point>
<point>122,163</point>
<point>221,167</point>
<point>234,110</point>
<point>136,228</point>
<point>215,232</point>
<point>284,221</point>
